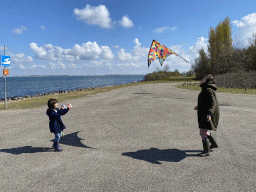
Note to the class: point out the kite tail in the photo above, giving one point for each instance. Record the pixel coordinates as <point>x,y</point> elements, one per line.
<point>181,57</point>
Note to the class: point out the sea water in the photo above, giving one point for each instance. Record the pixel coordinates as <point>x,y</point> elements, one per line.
<point>23,86</point>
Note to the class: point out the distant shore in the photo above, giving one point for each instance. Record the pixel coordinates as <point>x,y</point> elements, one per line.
<point>73,75</point>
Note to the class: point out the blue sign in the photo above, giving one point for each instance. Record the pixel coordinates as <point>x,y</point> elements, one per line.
<point>5,60</point>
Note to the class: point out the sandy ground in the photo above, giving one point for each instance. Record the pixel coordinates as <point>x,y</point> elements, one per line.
<point>139,138</point>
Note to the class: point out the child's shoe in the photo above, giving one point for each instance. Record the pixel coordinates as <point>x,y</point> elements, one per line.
<point>57,147</point>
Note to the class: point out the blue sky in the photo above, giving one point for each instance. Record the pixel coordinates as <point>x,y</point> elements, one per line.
<point>75,37</point>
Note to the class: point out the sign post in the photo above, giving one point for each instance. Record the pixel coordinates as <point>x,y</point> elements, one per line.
<point>5,61</point>
<point>5,97</point>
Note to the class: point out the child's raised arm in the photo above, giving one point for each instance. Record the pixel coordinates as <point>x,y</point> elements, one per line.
<point>53,114</point>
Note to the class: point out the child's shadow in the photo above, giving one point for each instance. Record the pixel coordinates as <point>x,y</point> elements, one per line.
<point>154,155</point>
<point>26,149</point>
<point>72,139</point>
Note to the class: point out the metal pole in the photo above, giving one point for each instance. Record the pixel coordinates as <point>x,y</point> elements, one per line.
<point>5,99</point>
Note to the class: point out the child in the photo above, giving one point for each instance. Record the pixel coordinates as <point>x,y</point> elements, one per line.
<point>55,124</point>
<point>208,113</point>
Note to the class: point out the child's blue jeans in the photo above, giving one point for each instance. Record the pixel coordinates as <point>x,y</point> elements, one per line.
<point>57,137</point>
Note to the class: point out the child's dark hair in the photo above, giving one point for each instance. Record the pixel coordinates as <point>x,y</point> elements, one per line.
<point>51,103</point>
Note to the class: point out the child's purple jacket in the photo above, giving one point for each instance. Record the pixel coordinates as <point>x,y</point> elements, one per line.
<point>55,123</point>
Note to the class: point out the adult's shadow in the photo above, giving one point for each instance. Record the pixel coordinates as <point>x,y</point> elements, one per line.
<point>154,155</point>
<point>142,93</point>
<point>72,139</point>
<point>26,149</point>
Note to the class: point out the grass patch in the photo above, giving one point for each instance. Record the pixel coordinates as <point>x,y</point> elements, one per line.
<point>180,78</point>
<point>195,86</point>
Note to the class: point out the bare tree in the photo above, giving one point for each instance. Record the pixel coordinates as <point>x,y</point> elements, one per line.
<point>166,68</point>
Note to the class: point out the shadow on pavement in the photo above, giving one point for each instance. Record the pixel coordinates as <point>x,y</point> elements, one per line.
<point>72,139</point>
<point>26,149</point>
<point>142,93</point>
<point>155,155</point>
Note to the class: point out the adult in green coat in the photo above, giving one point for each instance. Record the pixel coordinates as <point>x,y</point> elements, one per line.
<point>207,113</point>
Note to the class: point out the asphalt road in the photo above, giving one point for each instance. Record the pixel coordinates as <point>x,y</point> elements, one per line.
<point>139,138</point>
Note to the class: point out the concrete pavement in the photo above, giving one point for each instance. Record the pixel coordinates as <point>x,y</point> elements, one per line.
<point>138,138</point>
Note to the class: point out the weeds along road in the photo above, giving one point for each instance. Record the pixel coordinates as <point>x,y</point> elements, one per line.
<point>139,138</point>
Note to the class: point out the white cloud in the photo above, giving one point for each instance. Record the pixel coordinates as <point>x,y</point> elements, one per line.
<point>106,52</point>
<point>98,15</point>
<point>22,66</point>
<point>201,43</point>
<point>100,63</point>
<point>73,65</point>
<point>39,51</point>
<point>89,56</point>
<point>61,65</point>
<point>129,64</point>
<point>136,58</point>
<point>38,66</point>
<point>177,61</point>
<point>162,29</point>
<point>136,41</point>
<point>86,51</point>
<point>116,47</point>
<point>42,27</point>
<point>246,27</point>
<point>42,66</point>
<point>139,52</point>
<point>126,22</point>
<point>58,65</point>
<point>20,58</point>
<point>52,65</point>
<point>19,30</point>
<point>123,56</point>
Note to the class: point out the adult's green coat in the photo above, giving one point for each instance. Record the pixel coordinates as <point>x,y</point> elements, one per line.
<point>208,105</point>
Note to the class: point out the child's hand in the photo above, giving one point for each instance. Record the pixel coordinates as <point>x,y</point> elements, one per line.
<point>69,106</point>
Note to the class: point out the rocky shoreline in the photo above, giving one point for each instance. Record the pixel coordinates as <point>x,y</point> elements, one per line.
<point>20,98</point>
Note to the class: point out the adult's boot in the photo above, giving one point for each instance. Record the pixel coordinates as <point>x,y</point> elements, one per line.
<point>213,142</point>
<point>206,146</point>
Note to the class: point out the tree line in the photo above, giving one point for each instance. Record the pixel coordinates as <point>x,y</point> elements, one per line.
<point>166,73</point>
<point>228,63</point>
